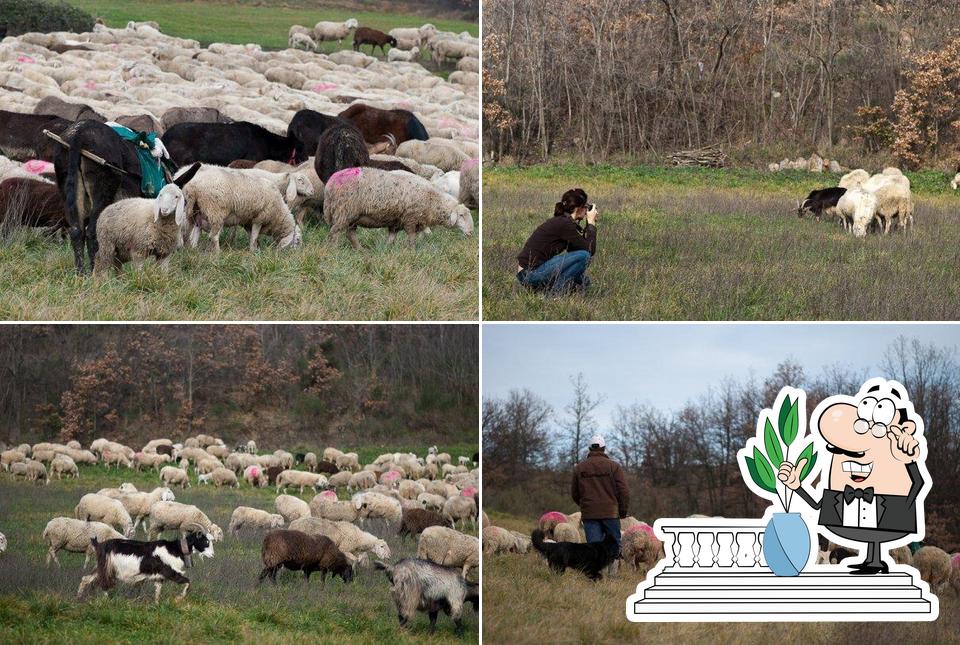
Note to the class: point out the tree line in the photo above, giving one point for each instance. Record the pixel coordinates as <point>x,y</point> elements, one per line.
<point>684,461</point>
<point>602,78</point>
<point>279,383</point>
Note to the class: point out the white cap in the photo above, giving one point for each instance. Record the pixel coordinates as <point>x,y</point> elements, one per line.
<point>597,440</point>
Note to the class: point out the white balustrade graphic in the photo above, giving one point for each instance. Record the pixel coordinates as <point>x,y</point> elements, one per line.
<point>714,547</point>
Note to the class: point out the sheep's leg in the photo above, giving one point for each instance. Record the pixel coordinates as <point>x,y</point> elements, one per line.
<point>263,574</point>
<point>85,582</point>
<point>183,594</point>
<point>52,554</point>
<point>411,231</point>
<point>165,267</point>
<point>215,238</point>
<point>352,236</point>
<point>391,236</point>
<point>433,620</point>
<point>254,234</point>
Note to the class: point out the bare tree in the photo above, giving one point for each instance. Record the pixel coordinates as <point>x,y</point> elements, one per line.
<point>579,422</point>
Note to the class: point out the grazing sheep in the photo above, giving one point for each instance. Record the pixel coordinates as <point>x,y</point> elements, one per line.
<point>36,472</point>
<point>415,520</point>
<point>172,476</point>
<point>8,457</point>
<point>224,477</point>
<point>372,198</point>
<point>468,64</point>
<point>138,504</point>
<point>397,54</point>
<point>132,230</point>
<point>377,505</point>
<point>298,551</point>
<point>549,520</point>
<point>334,510</point>
<point>18,469</point>
<point>894,199</point>
<point>340,479</point>
<point>641,547</point>
<point>498,540</point>
<point>348,461</point>
<point>362,480</point>
<point>409,489</point>
<point>254,475</point>
<point>470,183</point>
<point>74,536</point>
<point>3,543</point>
<point>424,586</point>
<point>373,37</point>
<point>854,179</point>
<point>934,565</point>
<point>227,197</point>
<point>331,454</point>
<point>955,182</point>
<point>902,555</point>
<point>418,34</point>
<point>566,532</point>
<point>348,538</point>
<point>858,209</point>
<point>449,183</point>
<point>461,508</point>
<point>301,41</point>
<point>247,517</point>
<point>291,508</point>
<point>301,479</point>
<point>167,516</point>
<point>449,547</point>
<point>104,509</point>
<point>310,461</point>
<point>326,30</point>
<point>436,152</point>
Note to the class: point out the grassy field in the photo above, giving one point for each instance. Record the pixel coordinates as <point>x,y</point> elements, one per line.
<point>319,281</point>
<point>703,244</point>
<point>524,602</point>
<point>243,22</point>
<point>38,604</point>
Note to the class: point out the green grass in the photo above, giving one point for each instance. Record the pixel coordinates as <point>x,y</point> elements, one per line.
<point>234,22</point>
<point>708,244</point>
<point>38,604</point>
<point>318,281</point>
<point>524,602</point>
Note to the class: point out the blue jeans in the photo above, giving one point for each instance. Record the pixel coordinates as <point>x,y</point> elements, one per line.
<point>558,273</point>
<point>596,530</point>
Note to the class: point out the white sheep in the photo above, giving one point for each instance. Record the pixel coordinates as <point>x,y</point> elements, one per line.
<point>331,454</point>
<point>8,457</point>
<point>166,516</point>
<point>955,183</point>
<point>461,508</point>
<point>138,504</point>
<point>449,547</point>
<point>470,183</point>
<point>378,505</point>
<point>224,477</point>
<point>362,480</point>
<point>3,543</point>
<point>498,540</point>
<point>247,517</point>
<point>104,509</point>
<point>468,64</point>
<point>310,461</point>
<point>418,34</point>
<point>431,501</point>
<point>449,183</point>
<point>335,510</point>
<point>36,471</point>
<point>340,479</point>
<point>227,197</point>
<point>74,536</point>
<point>132,230</point>
<point>348,538</point>
<point>302,41</point>
<point>436,152</point>
<point>395,200</point>
<point>326,30</point>
<point>409,489</point>
<point>347,461</point>
<point>854,179</point>
<point>894,199</point>
<point>301,479</point>
<point>858,209</point>
<point>171,476</point>
<point>410,55</point>
<point>291,508</point>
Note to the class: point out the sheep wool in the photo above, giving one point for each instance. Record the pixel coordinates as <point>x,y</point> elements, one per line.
<point>395,200</point>
<point>449,547</point>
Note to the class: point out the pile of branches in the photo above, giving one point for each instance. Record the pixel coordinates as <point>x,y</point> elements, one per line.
<point>708,157</point>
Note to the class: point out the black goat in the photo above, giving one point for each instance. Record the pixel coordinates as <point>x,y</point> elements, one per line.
<point>221,143</point>
<point>22,138</point>
<point>305,129</point>
<point>820,200</point>
<point>340,146</point>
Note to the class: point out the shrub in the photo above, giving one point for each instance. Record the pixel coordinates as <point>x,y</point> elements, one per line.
<point>21,16</point>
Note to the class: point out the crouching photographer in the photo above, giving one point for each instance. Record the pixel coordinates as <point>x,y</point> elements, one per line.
<point>556,255</point>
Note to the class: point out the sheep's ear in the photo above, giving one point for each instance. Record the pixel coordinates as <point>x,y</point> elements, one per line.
<point>156,209</point>
<point>181,214</point>
<point>291,188</point>
<point>182,180</point>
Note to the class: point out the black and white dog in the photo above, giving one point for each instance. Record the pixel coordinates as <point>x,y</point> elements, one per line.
<point>134,562</point>
<point>590,558</point>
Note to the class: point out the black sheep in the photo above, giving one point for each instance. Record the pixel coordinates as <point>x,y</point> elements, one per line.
<point>22,138</point>
<point>324,466</point>
<point>221,143</point>
<point>373,37</point>
<point>297,551</point>
<point>305,129</point>
<point>415,520</point>
<point>340,146</point>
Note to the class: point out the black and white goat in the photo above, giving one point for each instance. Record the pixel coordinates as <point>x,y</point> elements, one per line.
<point>134,562</point>
<point>821,201</point>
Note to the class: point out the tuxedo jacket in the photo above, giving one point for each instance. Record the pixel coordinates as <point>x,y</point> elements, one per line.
<point>894,512</point>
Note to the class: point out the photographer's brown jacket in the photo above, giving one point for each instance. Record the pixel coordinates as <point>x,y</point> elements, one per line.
<point>599,488</point>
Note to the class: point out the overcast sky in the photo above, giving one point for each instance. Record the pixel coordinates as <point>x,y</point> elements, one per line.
<point>669,364</point>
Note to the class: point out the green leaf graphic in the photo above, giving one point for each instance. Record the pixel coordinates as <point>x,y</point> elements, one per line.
<point>765,470</point>
<point>772,443</point>
<point>791,425</point>
<point>811,461</point>
<point>784,411</point>
<point>755,476</point>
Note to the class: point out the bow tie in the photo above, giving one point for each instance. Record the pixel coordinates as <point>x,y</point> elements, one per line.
<point>850,493</point>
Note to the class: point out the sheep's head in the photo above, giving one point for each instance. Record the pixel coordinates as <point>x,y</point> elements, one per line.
<point>276,521</point>
<point>462,219</point>
<point>293,240</point>
<point>352,23</point>
<point>381,550</point>
<point>956,180</point>
<point>299,184</point>
<point>216,534</point>
<point>167,495</point>
<point>127,487</point>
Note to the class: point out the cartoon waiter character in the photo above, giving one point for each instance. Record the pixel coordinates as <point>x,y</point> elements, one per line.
<point>876,482</point>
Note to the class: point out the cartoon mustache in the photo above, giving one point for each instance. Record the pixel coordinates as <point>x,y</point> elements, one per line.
<point>841,451</point>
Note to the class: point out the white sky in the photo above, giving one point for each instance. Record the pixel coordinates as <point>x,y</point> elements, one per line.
<point>667,365</point>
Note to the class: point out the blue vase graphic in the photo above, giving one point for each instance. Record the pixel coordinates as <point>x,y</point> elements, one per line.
<point>786,544</point>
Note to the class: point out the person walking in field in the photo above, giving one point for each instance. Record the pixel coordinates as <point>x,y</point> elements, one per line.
<point>556,255</point>
<point>600,489</point>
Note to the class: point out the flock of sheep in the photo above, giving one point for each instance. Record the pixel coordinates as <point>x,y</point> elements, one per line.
<point>406,43</point>
<point>864,203</point>
<point>424,175</point>
<point>421,497</point>
<point>641,549</point>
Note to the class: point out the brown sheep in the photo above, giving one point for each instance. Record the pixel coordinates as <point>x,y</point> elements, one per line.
<point>272,473</point>
<point>298,551</point>
<point>375,123</point>
<point>28,202</point>
<point>641,548</point>
<point>414,520</point>
<point>374,38</point>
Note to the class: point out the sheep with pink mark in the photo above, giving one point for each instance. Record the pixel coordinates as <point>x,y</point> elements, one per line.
<point>640,547</point>
<point>549,520</point>
<point>255,475</point>
<point>394,200</point>
<point>391,478</point>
